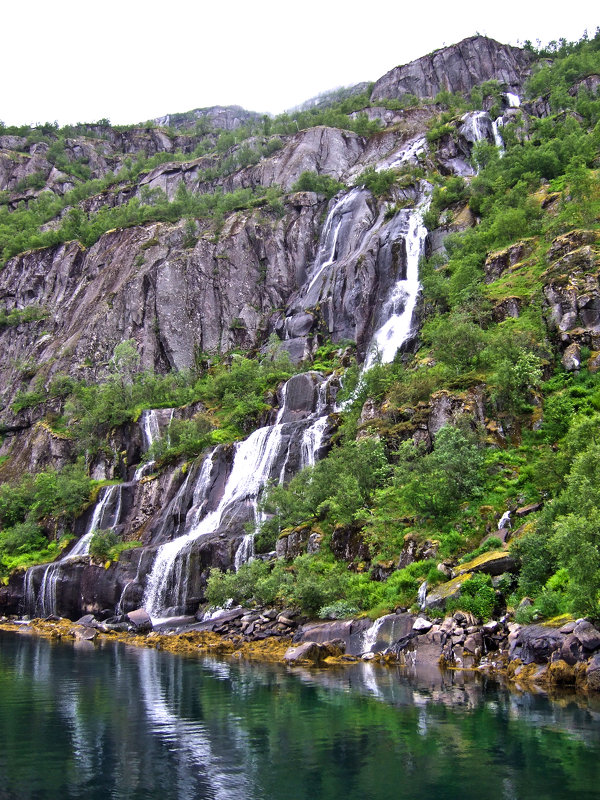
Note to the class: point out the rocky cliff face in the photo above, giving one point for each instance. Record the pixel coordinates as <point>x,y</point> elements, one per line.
<point>458,68</point>
<point>227,118</point>
<point>306,269</point>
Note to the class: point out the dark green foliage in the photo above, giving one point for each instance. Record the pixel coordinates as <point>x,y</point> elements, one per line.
<point>316,584</point>
<point>450,192</point>
<point>322,184</point>
<point>477,596</point>
<point>379,182</point>
<point>33,501</point>
<point>102,544</point>
<point>442,479</point>
<point>335,489</point>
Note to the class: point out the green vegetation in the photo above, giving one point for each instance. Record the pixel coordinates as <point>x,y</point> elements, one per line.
<point>548,418</point>
<point>322,184</point>
<point>107,546</point>
<point>34,505</point>
<point>510,425</point>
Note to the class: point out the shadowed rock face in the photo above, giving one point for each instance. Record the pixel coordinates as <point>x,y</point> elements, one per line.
<point>457,69</point>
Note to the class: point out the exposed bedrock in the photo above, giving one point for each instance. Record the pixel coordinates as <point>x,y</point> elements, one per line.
<point>457,68</point>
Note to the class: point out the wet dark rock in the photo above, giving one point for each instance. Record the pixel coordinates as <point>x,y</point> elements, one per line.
<point>571,651</point>
<point>524,511</point>
<point>140,620</point>
<point>536,643</point>
<point>314,652</point>
<point>593,673</point>
<point>84,633</point>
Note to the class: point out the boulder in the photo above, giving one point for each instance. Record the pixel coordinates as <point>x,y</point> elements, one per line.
<point>84,633</point>
<point>587,635</point>
<point>422,625</point>
<point>438,596</point>
<point>571,651</point>
<point>536,643</point>
<point>592,673</point>
<point>140,619</point>
<point>500,261</point>
<point>311,652</point>
<point>492,563</point>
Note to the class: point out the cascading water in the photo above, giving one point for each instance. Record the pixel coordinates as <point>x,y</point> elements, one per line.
<point>245,551</point>
<point>151,432</point>
<point>106,516</point>
<point>259,458</point>
<point>398,309</point>
<point>369,639</point>
<point>476,126</point>
<point>327,253</point>
<point>504,521</point>
<point>266,454</point>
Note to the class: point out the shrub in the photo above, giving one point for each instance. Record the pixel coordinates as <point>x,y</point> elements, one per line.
<point>477,596</point>
<point>340,609</point>
<point>321,184</point>
<point>102,544</point>
<point>377,182</point>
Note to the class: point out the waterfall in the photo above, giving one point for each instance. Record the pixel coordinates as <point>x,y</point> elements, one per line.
<point>328,248</point>
<point>245,551</point>
<point>422,594</point>
<point>161,575</point>
<point>398,309</point>
<point>370,635</point>
<point>312,441</point>
<point>149,423</point>
<point>252,465</point>
<point>514,101</point>
<point>476,126</point>
<point>261,457</point>
<point>409,153</point>
<point>498,140</point>
<point>107,513</point>
<point>504,521</point>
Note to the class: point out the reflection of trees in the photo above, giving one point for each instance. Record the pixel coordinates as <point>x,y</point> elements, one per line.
<point>123,723</point>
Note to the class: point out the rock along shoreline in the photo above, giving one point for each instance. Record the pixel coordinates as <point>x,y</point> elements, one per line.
<point>549,657</point>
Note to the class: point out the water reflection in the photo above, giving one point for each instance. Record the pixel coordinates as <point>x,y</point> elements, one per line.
<point>120,722</point>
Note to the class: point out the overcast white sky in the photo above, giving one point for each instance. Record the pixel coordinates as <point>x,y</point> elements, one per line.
<point>132,60</point>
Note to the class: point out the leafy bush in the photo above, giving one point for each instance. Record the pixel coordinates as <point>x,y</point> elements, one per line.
<point>377,182</point>
<point>477,596</point>
<point>493,543</point>
<point>321,184</point>
<point>102,543</point>
<point>340,609</point>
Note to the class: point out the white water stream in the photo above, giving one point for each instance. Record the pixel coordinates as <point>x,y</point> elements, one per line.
<point>398,309</point>
<point>106,516</point>
<point>255,462</point>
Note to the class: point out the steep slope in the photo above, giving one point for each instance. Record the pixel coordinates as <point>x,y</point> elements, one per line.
<point>458,68</point>
<point>201,284</point>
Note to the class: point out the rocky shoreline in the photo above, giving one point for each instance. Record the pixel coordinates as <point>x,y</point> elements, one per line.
<point>541,657</point>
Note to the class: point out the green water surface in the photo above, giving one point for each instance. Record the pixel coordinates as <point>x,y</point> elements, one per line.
<point>118,722</point>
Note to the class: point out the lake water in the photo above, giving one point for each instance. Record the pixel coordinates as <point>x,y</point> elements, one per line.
<point>112,721</point>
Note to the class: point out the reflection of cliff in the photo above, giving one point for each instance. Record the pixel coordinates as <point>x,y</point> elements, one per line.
<point>131,723</point>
